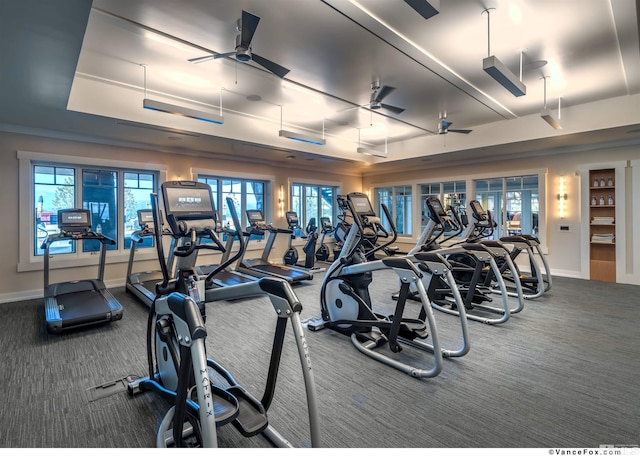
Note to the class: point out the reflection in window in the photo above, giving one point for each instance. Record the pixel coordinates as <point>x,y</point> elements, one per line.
<point>312,201</point>
<point>513,203</point>
<point>398,200</point>
<point>54,189</point>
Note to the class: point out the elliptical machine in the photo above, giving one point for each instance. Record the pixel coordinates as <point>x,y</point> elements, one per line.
<point>535,283</point>
<point>469,261</point>
<point>345,301</point>
<point>179,369</point>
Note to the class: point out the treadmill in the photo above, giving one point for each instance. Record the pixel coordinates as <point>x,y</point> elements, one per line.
<point>78,302</point>
<point>228,276</point>
<point>143,284</point>
<point>262,267</point>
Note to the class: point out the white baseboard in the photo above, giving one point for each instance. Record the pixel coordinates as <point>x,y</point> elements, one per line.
<point>38,293</point>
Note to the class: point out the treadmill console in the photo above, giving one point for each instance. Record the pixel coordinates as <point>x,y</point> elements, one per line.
<point>74,222</point>
<point>256,220</point>
<point>145,219</point>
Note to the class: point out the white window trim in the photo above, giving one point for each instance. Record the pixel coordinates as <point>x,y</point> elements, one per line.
<point>27,261</point>
<point>320,183</point>
<point>271,194</point>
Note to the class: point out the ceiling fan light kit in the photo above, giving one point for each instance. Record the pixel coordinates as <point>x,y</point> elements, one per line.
<point>310,139</point>
<point>155,105</point>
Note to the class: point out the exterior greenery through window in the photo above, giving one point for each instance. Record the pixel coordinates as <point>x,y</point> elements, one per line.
<point>113,197</point>
<point>247,195</point>
<point>312,201</point>
<point>398,200</point>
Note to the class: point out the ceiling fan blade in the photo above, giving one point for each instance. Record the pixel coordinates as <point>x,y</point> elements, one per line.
<point>276,69</point>
<point>383,92</point>
<point>466,132</point>
<point>202,59</point>
<point>422,7</point>
<point>393,109</point>
<point>226,54</point>
<point>249,25</point>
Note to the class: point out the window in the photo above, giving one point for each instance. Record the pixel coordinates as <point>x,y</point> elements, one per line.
<point>398,200</point>
<point>513,202</point>
<point>247,194</point>
<point>53,189</point>
<point>312,201</point>
<point>137,189</point>
<point>449,193</point>
<point>113,190</point>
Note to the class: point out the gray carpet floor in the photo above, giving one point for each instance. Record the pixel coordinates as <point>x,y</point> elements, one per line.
<point>563,373</point>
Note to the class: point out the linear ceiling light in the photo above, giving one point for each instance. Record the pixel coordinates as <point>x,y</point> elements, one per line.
<point>155,105</point>
<point>372,152</point>
<point>498,71</point>
<point>546,112</point>
<point>303,138</point>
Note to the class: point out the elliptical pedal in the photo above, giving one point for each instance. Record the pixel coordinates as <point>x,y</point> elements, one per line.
<point>252,417</point>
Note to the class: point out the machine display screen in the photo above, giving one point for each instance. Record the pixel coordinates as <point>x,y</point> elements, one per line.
<point>74,218</point>
<point>185,202</point>
<point>478,210</point>
<point>361,204</point>
<point>436,207</point>
<point>145,218</point>
<point>254,216</point>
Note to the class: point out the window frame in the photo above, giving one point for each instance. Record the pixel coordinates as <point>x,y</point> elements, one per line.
<point>27,259</point>
<point>306,183</point>
<point>393,196</point>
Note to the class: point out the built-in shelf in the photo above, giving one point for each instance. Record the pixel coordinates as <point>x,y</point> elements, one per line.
<point>602,254</point>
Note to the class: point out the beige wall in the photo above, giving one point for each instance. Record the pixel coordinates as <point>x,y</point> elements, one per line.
<point>16,285</point>
<point>566,250</point>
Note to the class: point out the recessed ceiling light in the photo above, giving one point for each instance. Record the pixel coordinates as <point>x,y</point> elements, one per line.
<point>254,97</point>
<point>290,157</point>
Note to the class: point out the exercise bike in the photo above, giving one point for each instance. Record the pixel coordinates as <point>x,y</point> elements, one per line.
<point>179,370</point>
<point>310,235</point>
<point>323,253</point>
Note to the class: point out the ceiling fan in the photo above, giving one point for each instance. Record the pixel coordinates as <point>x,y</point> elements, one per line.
<point>379,93</point>
<point>443,127</point>
<point>246,27</point>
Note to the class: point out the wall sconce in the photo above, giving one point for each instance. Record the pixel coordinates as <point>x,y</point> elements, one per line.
<point>562,197</point>
<point>281,202</point>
